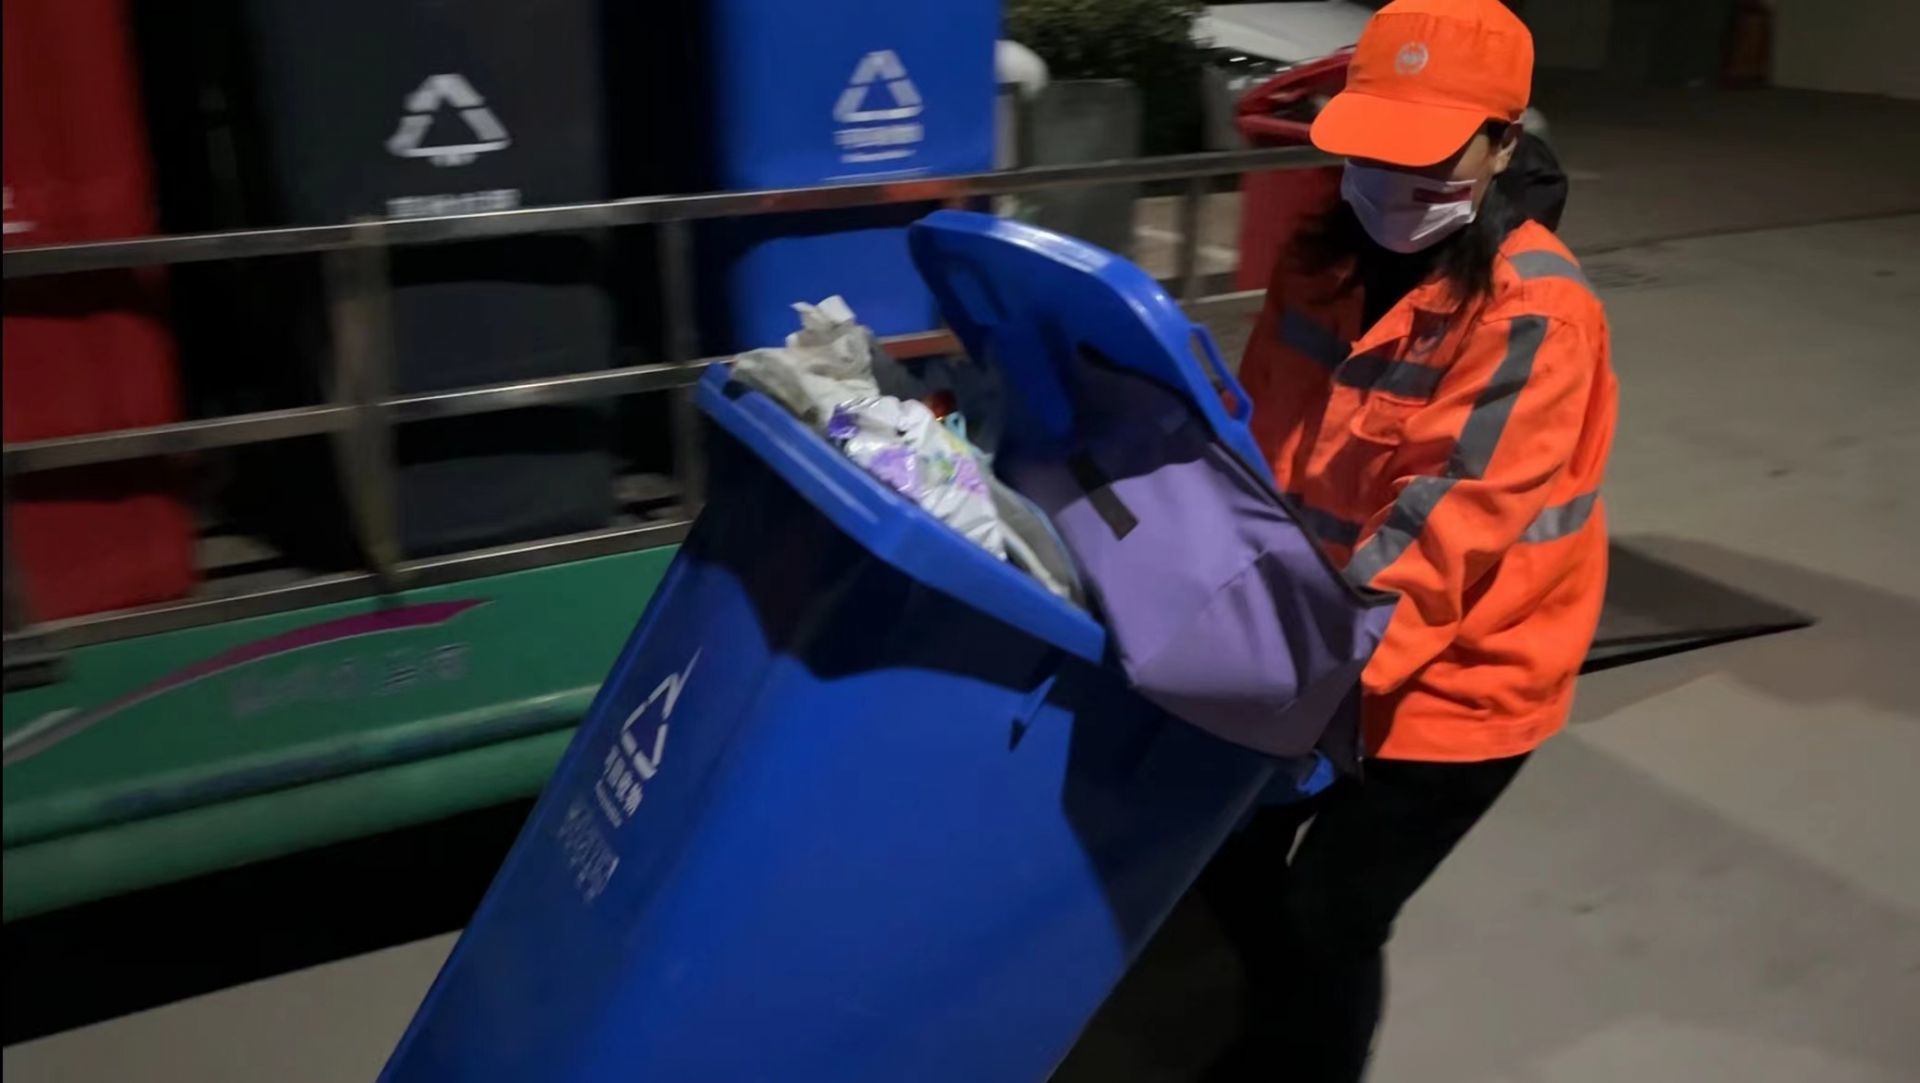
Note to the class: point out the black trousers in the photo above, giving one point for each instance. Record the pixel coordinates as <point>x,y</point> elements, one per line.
<point>1311,920</point>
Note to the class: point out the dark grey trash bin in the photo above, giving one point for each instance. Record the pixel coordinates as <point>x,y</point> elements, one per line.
<point>408,108</point>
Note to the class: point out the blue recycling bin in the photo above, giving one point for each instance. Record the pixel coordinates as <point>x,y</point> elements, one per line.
<point>858,801</point>
<point>831,92</point>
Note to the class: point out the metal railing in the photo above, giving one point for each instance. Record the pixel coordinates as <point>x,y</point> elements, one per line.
<point>362,412</point>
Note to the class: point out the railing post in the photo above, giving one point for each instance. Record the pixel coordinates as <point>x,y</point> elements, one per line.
<point>16,605</point>
<point>360,310</point>
<point>1192,202</point>
<point>28,659</point>
<point>682,345</point>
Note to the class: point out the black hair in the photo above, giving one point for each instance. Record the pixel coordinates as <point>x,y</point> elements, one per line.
<point>1335,241</point>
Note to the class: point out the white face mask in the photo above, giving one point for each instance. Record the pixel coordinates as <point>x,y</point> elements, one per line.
<point>1403,212</point>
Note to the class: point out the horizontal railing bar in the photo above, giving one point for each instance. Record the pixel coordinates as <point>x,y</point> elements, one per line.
<point>322,590</point>
<point>349,586</point>
<point>573,387</point>
<point>1218,305</point>
<point>640,210</point>
<point>178,438</point>
<point>34,456</point>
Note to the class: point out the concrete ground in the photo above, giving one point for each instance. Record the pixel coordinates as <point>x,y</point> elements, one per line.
<point>1714,874</point>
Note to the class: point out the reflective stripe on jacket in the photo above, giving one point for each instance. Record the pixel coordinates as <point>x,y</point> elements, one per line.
<point>1455,458</point>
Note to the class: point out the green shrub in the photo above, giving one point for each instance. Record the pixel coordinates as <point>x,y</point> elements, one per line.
<point>1148,42</point>
<point>1107,39</point>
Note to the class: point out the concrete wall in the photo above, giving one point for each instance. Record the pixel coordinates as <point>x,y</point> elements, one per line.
<point>1657,42</point>
<point>1861,46</point>
<point>1570,33</point>
<point>1852,46</point>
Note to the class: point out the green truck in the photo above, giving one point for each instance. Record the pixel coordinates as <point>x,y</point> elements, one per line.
<point>171,755</point>
<point>265,718</point>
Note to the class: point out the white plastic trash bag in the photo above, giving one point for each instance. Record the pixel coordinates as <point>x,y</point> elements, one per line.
<point>827,362</point>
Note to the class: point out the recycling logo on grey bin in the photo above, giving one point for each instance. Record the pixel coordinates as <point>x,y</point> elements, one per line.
<point>439,91</point>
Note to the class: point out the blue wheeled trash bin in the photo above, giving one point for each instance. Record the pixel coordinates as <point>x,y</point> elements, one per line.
<point>858,802</point>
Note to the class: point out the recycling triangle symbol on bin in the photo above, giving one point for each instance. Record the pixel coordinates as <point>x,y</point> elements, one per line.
<point>880,75</point>
<point>422,105</point>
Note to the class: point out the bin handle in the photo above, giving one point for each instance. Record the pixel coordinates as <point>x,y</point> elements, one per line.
<point>1242,407</point>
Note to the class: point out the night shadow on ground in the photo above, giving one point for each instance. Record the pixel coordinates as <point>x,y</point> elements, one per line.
<point>1820,639</point>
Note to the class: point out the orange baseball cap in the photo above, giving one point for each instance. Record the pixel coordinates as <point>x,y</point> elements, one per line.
<point>1425,76</point>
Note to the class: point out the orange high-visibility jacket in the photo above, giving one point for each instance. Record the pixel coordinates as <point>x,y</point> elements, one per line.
<point>1453,457</point>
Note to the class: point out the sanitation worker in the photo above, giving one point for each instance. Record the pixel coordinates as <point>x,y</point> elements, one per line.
<point>1431,384</point>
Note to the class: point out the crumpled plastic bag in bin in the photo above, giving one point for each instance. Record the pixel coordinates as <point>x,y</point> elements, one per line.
<point>900,442</point>
<point>833,375</point>
<point>827,362</point>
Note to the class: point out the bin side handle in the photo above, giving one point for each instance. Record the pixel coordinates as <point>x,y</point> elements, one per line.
<point>1226,405</point>
<point>1241,408</point>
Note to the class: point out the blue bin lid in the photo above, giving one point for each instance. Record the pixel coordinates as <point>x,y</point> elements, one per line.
<point>1024,301</point>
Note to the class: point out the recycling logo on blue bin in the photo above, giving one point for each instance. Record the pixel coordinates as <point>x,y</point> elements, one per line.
<point>875,116</point>
<point>635,757</point>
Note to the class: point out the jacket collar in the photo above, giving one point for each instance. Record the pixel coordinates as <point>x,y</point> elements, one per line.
<point>1430,308</point>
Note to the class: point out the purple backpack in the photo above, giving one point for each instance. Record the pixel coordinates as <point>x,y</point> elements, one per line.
<point>1220,606</point>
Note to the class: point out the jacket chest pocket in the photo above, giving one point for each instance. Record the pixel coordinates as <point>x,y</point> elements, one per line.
<point>1391,391</point>
<point>1362,444</point>
<point>1382,420</point>
<point>1397,379</point>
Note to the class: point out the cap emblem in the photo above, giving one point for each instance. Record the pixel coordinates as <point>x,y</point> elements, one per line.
<point>1411,59</point>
